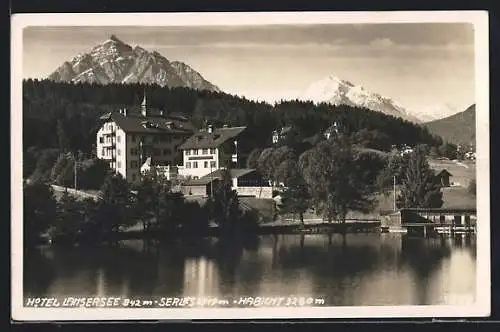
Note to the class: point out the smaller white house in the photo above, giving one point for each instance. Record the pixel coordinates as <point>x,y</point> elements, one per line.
<point>406,150</point>
<point>470,155</point>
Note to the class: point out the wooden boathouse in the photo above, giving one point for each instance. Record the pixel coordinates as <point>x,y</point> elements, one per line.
<point>426,220</point>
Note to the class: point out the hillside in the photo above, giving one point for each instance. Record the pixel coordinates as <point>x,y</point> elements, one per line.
<point>458,129</point>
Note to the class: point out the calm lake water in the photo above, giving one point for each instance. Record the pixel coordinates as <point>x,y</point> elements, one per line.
<point>349,270</point>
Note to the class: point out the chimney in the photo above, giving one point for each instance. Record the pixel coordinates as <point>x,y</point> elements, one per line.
<point>210,129</point>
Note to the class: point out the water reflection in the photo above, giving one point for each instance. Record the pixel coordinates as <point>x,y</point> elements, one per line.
<point>352,269</point>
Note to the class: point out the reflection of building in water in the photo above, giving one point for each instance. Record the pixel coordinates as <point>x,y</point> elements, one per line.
<point>200,277</point>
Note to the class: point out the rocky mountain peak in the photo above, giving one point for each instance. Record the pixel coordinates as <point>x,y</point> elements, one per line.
<point>114,61</point>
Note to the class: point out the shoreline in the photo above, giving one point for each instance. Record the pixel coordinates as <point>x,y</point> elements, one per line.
<point>321,228</point>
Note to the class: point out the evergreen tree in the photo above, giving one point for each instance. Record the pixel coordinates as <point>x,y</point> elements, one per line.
<point>62,137</point>
<point>420,186</point>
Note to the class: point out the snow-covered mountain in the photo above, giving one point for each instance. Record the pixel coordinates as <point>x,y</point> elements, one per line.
<point>335,91</point>
<point>114,61</point>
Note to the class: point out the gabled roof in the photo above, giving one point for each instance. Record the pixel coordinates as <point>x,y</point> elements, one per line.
<point>205,140</point>
<point>133,123</point>
<point>444,172</point>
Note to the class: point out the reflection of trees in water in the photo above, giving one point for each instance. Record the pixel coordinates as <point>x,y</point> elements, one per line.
<point>424,256</point>
<point>117,264</point>
<point>336,259</point>
<point>38,273</point>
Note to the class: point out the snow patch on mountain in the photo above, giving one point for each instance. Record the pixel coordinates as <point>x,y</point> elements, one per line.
<point>335,91</point>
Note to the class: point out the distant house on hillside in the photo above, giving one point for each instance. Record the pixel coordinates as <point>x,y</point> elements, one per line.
<point>444,178</point>
<point>470,155</point>
<point>280,134</point>
<point>406,149</point>
<point>332,130</point>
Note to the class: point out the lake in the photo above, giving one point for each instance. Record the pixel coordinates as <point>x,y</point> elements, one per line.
<point>343,270</point>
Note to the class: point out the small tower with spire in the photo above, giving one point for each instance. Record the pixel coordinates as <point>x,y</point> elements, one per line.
<point>144,106</point>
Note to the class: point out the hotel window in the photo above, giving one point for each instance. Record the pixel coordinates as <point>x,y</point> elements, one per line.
<point>119,152</point>
<point>213,164</point>
<point>188,152</point>
<point>204,151</point>
<point>134,176</point>
<point>155,139</point>
<point>101,139</point>
<point>166,152</point>
<point>133,164</point>
<point>119,164</point>
<point>118,139</point>
<point>212,151</point>
<point>195,164</point>
<point>103,152</point>
<point>156,152</point>
<point>195,152</point>
<point>132,138</point>
<point>188,164</point>
<point>205,164</point>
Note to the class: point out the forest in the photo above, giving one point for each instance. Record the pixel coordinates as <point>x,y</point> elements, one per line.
<point>66,115</point>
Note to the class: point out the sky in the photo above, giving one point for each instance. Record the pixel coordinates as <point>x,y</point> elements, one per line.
<point>420,65</point>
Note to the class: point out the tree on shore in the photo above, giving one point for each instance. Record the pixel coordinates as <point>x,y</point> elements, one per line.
<point>147,201</point>
<point>39,211</point>
<point>334,181</point>
<point>70,216</point>
<point>295,198</point>
<point>224,205</point>
<point>420,185</point>
<point>253,157</point>
<point>116,204</point>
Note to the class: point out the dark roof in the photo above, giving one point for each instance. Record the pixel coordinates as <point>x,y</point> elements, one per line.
<point>133,123</point>
<point>235,173</point>
<point>444,172</point>
<point>205,140</point>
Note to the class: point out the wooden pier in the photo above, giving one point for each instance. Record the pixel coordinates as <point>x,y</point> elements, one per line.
<point>431,221</point>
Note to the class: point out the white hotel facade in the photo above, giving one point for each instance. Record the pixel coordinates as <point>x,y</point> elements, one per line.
<point>127,139</point>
